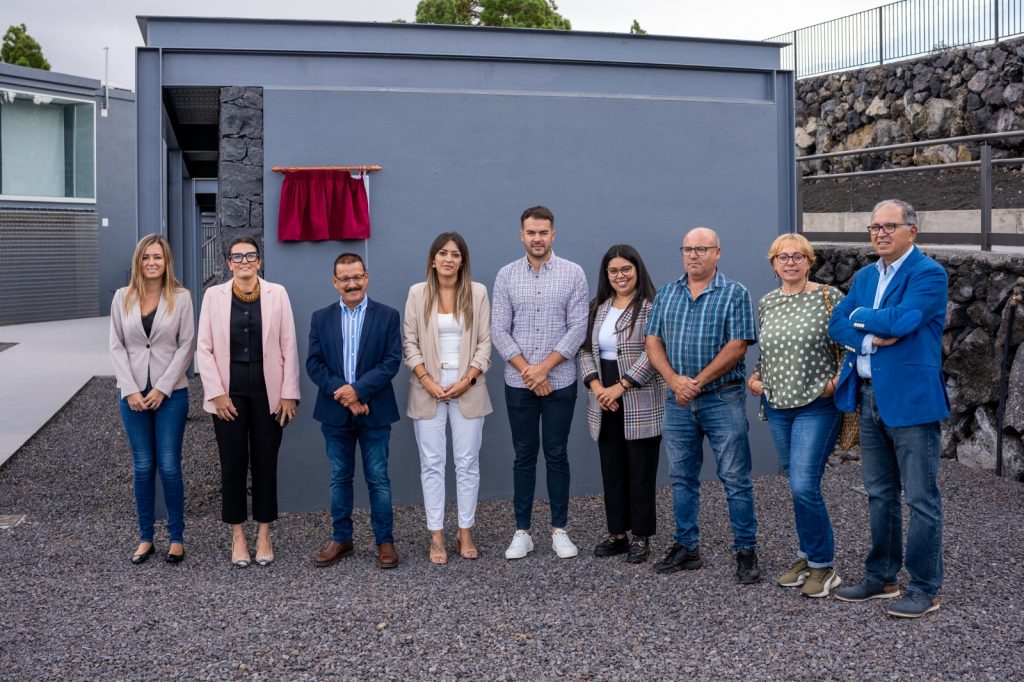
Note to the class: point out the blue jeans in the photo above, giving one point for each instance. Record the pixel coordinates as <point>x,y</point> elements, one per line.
<point>722,417</point>
<point>155,439</point>
<point>526,412</point>
<point>341,451</point>
<point>804,437</point>
<point>891,455</point>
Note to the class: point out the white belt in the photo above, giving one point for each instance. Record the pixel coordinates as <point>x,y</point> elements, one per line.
<point>449,365</point>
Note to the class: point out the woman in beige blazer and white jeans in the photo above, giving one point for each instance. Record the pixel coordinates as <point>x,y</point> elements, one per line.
<point>447,345</point>
<point>151,333</point>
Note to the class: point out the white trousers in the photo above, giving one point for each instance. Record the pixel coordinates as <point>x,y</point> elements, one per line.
<point>467,435</point>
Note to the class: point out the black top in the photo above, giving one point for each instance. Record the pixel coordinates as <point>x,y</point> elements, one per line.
<point>147,322</point>
<point>246,331</point>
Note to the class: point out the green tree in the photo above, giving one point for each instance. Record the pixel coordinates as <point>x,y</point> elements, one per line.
<point>21,49</point>
<point>636,30</point>
<point>464,12</point>
<point>506,13</point>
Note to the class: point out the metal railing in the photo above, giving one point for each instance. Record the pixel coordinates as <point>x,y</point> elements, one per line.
<point>210,249</point>
<point>899,30</point>
<point>984,238</point>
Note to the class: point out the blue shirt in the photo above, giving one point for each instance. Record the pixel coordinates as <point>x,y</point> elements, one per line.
<point>695,331</point>
<point>351,330</point>
<point>885,275</point>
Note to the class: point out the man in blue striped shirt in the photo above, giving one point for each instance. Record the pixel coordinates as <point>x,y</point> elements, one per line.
<point>697,335</point>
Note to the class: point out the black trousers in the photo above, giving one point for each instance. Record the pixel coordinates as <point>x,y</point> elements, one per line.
<point>251,441</point>
<point>629,469</point>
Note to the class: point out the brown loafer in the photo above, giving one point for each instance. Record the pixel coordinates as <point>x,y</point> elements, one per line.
<point>387,555</point>
<point>332,553</point>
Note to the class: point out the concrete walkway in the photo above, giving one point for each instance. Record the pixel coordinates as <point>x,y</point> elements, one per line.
<point>50,363</point>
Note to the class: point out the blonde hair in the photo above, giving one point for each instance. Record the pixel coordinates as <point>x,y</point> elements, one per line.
<point>463,284</point>
<point>801,243</point>
<point>170,285</point>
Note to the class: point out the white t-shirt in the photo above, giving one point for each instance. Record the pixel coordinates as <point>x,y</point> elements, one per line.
<point>449,333</point>
<point>606,335</point>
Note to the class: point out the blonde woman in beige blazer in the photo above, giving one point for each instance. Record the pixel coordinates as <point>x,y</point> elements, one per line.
<point>446,341</point>
<point>151,333</point>
<point>249,363</point>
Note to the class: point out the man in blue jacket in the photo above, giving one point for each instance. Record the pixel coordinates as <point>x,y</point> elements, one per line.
<point>891,324</point>
<point>355,350</point>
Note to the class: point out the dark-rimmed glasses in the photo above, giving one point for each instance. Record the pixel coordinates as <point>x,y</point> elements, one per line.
<point>250,257</point>
<point>887,228</point>
<point>791,257</point>
<point>625,271</point>
<point>344,281</point>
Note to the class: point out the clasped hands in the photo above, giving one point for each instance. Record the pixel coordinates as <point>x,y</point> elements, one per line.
<point>347,396</point>
<point>607,397</point>
<point>685,388</point>
<point>151,401</point>
<point>444,393</point>
<point>536,379</point>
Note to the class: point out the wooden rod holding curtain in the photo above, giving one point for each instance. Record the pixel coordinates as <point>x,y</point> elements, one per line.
<point>285,169</point>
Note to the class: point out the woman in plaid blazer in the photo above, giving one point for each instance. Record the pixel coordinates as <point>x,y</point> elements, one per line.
<point>626,402</point>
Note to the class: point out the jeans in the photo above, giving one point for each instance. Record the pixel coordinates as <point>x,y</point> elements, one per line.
<point>341,450</point>
<point>467,434</point>
<point>526,412</point>
<point>721,416</point>
<point>804,437</point>
<point>891,455</point>
<point>155,439</point>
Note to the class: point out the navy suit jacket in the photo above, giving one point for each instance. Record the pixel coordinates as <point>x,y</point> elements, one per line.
<point>380,356</point>
<point>906,376</point>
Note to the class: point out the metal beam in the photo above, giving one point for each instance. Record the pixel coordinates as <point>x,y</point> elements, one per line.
<point>150,123</point>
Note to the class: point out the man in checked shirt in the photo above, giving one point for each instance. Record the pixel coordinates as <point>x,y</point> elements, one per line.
<point>697,334</point>
<point>538,321</point>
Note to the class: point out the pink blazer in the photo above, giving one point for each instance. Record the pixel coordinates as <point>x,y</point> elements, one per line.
<point>280,354</point>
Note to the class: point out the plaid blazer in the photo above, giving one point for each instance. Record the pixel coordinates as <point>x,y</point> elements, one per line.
<point>643,405</point>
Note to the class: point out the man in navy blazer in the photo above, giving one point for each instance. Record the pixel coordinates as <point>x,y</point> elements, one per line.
<point>891,325</point>
<point>355,350</point>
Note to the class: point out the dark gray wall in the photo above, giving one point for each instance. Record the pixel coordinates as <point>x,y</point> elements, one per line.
<point>115,194</point>
<point>612,170</point>
<point>626,139</point>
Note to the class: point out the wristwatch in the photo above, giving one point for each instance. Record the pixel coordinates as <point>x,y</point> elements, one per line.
<point>471,380</point>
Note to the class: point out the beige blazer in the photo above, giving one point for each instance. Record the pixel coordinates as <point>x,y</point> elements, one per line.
<point>420,344</point>
<point>280,354</point>
<point>163,357</point>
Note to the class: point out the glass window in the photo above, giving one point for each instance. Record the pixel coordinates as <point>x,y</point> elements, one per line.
<point>47,146</point>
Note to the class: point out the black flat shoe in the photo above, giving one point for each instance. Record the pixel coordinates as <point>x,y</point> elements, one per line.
<point>144,557</point>
<point>639,550</point>
<point>611,545</point>
<point>175,558</point>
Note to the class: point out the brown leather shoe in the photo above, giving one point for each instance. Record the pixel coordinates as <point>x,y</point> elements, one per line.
<point>332,553</point>
<point>387,555</point>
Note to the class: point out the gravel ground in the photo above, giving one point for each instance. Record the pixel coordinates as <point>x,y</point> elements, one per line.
<point>72,606</point>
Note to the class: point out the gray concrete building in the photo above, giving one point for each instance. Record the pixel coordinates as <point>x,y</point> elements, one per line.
<point>67,194</point>
<point>627,138</point>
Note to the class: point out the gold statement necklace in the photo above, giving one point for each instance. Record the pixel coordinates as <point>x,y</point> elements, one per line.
<point>250,297</point>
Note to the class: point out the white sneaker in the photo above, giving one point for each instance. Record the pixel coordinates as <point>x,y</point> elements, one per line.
<point>562,545</point>
<point>521,545</point>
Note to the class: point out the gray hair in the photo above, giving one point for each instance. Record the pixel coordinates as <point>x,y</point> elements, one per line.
<point>909,214</point>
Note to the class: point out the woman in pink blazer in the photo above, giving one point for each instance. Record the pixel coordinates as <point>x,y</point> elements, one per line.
<point>249,365</point>
<point>151,333</point>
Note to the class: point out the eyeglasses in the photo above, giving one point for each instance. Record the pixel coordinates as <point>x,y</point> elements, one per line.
<point>791,258</point>
<point>250,257</point>
<point>699,250</point>
<point>887,228</point>
<point>625,271</point>
<point>344,281</point>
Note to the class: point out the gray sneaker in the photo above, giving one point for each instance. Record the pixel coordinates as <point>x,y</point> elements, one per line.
<point>867,588</point>
<point>914,605</point>
<point>820,582</point>
<point>796,575</point>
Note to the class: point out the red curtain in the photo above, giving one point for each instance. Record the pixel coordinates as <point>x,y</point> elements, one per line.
<point>322,204</point>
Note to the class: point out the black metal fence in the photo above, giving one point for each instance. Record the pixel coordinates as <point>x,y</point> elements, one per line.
<point>899,30</point>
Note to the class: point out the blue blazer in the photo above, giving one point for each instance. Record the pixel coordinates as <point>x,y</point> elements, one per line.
<point>380,356</point>
<point>906,376</point>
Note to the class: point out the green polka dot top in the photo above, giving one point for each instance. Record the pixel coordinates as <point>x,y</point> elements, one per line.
<point>797,355</point>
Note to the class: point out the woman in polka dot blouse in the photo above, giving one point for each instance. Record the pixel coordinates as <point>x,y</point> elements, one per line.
<point>796,378</point>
